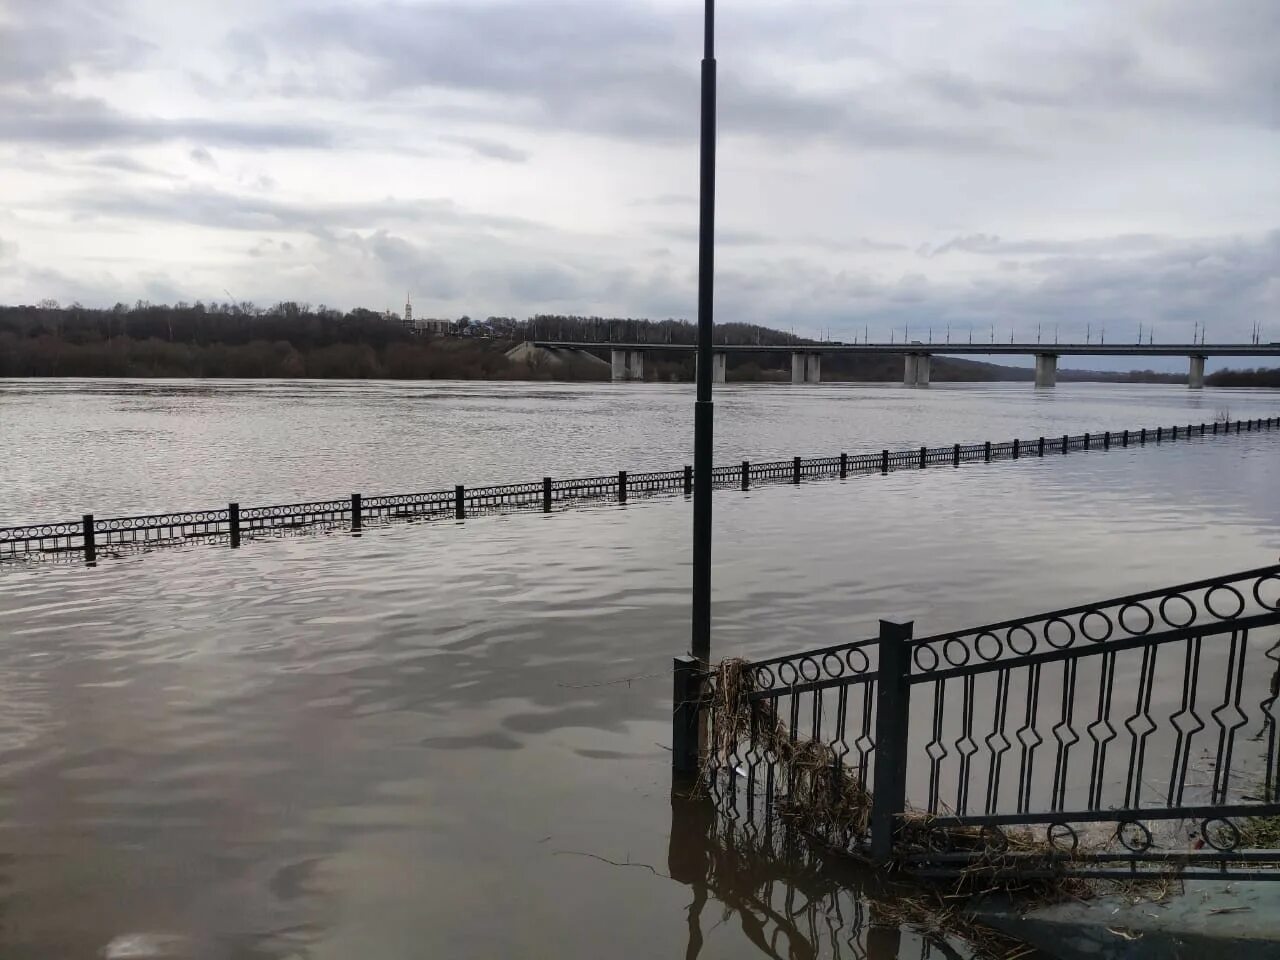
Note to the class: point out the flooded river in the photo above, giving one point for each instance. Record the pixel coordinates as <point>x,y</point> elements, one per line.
<point>450,739</point>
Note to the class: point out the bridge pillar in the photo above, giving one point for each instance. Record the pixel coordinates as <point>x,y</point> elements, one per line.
<point>1046,370</point>
<point>1195,377</point>
<point>910,370</point>
<point>719,367</point>
<point>626,365</point>
<point>923,364</point>
<point>806,368</point>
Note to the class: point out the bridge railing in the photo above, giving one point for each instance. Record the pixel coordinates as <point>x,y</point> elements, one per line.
<point>89,535</point>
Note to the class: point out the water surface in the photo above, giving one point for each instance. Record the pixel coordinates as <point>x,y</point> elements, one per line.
<point>449,739</point>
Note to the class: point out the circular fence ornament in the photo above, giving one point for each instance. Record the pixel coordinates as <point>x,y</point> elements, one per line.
<point>1232,599</point>
<point>832,665</point>
<point>988,646</point>
<point>859,665</point>
<point>1221,834</point>
<point>1021,640</point>
<point>1267,591</point>
<point>1130,628</point>
<point>1133,836</point>
<point>926,658</point>
<point>956,652</point>
<point>1100,634</point>
<point>1063,837</point>
<point>1059,642</point>
<point>1169,607</point>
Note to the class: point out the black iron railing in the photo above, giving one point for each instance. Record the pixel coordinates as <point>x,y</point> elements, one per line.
<point>1133,736</point>
<point>89,536</point>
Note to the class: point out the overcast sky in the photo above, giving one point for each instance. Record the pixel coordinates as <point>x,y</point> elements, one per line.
<point>882,164</point>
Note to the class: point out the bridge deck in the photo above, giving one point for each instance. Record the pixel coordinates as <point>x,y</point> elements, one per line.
<point>953,349</point>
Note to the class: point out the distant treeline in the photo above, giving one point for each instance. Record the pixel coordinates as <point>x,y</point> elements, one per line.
<point>1259,377</point>
<point>291,340</point>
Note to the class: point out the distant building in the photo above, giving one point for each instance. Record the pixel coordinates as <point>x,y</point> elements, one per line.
<point>433,326</point>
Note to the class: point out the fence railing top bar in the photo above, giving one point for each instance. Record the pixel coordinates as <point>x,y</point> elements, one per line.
<point>1272,570</point>
<point>1078,651</point>
<point>809,686</point>
<point>820,652</point>
<point>372,499</point>
<point>318,506</point>
<point>28,529</point>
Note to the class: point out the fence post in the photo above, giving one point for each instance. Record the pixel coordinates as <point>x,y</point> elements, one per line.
<point>1202,429</point>
<point>884,461</point>
<point>1215,428</point>
<point>459,502</point>
<point>955,455</point>
<point>688,480</point>
<point>1106,440</point>
<point>1042,446</point>
<point>1142,437</point>
<point>1159,434</point>
<point>1065,440</point>
<point>622,486</point>
<point>1086,441</point>
<point>844,465</point>
<point>233,523</point>
<point>546,494</point>
<point>90,546</point>
<point>746,475</point>
<point>356,518</point>
<point>1238,426</point>
<point>795,470</point>
<point>893,710</point>
<point>1174,434</point>
<point>986,451</point>
<point>924,452</point>
<point>1015,448</point>
<point>1124,442</point>
<point>686,702</point>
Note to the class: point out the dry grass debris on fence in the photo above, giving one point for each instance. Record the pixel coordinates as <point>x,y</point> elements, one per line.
<point>824,797</point>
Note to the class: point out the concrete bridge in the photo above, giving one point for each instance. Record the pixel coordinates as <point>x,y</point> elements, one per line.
<point>806,359</point>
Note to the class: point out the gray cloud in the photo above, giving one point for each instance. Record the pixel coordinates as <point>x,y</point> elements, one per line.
<point>491,149</point>
<point>987,244</point>
<point>1214,61</point>
<point>203,157</point>
<point>75,122</point>
<point>209,207</point>
<point>620,69</point>
<point>40,50</point>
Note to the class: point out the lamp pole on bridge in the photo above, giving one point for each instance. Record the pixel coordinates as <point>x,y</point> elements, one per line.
<point>703,408</point>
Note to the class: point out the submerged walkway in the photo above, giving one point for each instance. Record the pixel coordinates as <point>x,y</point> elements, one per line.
<point>85,539</point>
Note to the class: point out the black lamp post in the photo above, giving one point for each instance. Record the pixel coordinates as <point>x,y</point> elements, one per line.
<point>704,409</point>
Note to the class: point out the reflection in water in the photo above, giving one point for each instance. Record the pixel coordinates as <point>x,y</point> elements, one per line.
<point>791,903</point>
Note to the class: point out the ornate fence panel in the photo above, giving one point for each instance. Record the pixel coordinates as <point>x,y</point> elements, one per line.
<point>85,538</point>
<point>1129,737</point>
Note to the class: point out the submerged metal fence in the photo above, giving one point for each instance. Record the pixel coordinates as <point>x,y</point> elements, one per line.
<point>89,536</point>
<point>1131,737</point>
